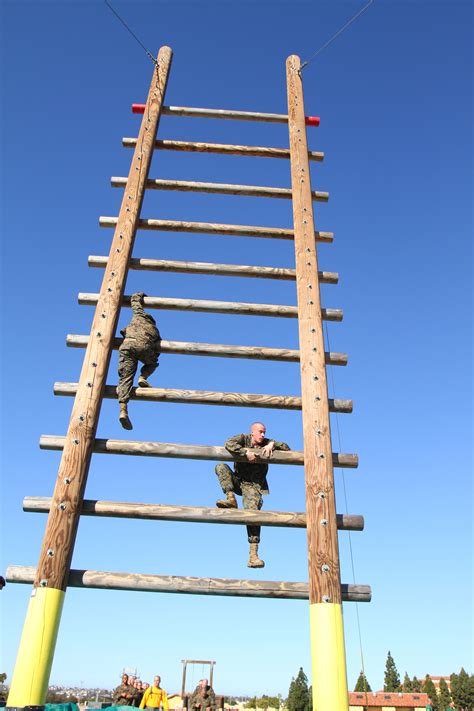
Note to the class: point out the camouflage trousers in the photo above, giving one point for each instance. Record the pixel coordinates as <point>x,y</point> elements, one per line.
<point>248,490</point>
<point>130,352</point>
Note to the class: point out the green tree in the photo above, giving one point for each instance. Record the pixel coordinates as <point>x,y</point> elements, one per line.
<point>462,691</point>
<point>298,693</point>
<point>268,702</point>
<point>362,683</point>
<point>3,678</point>
<point>430,689</point>
<point>416,685</point>
<point>444,697</point>
<point>407,685</point>
<point>391,678</point>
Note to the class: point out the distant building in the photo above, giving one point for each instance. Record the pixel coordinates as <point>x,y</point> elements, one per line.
<point>383,701</point>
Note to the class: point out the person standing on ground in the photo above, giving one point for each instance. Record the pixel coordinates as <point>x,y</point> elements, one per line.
<point>141,342</point>
<point>122,695</point>
<point>203,697</point>
<point>249,478</point>
<point>155,696</point>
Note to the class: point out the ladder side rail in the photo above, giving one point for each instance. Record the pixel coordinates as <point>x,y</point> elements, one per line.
<point>329,680</point>
<point>35,655</point>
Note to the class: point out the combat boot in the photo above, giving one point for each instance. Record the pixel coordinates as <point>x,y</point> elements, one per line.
<point>124,418</point>
<point>143,382</point>
<point>254,560</point>
<point>229,503</point>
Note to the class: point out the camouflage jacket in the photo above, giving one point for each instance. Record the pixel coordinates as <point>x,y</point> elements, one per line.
<point>142,327</point>
<point>206,699</point>
<point>254,472</point>
<point>119,697</point>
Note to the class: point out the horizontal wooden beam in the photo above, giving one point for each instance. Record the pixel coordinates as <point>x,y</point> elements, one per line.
<point>216,307</point>
<point>226,114</point>
<point>223,148</point>
<point>192,514</point>
<point>188,451</point>
<point>215,228</point>
<point>208,397</point>
<point>188,585</point>
<point>239,270</point>
<point>218,188</point>
<point>218,350</point>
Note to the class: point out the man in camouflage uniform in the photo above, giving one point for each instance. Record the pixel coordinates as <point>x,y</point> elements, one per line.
<point>249,479</point>
<point>122,695</point>
<point>203,697</point>
<point>141,342</point>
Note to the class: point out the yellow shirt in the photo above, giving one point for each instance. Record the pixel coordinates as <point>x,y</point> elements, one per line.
<point>153,697</point>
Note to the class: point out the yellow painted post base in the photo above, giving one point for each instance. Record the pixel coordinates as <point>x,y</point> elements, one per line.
<point>35,654</point>
<point>328,658</point>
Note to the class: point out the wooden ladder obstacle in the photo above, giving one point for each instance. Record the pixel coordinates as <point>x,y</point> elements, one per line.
<point>324,589</point>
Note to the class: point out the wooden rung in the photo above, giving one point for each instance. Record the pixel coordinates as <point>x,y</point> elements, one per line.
<point>192,514</point>
<point>219,188</point>
<point>208,397</point>
<point>217,350</point>
<point>216,307</point>
<point>193,146</point>
<point>188,451</point>
<point>188,585</point>
<point>225,114</point>
<point>215,228</point>
<point>168,265</point>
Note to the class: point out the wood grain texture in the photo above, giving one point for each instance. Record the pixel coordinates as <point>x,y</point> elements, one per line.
<point>323,552</point>
<point>239,270</point>
<point>223,148</point>
<point>61,528</point>
<point>187,451</point>
<point>215,228</point>
<point>218,350</point>
<point>216,307</point>
<point>227,587</point>
<point>192,514</point>
<point>208,397</point>
<point>218,188</point>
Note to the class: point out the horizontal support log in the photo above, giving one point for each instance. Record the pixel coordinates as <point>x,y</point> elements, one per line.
<point>208,397</point>
<point>188,451</point>
<point>188,585</point>
<point>216,307</point>
<point>223,148</point>
<point>215,228</point>
<point>240,270</point>
<point>219,188</point>
<point>192,514</point>
<point>226,114</point>
<point>217,350</point>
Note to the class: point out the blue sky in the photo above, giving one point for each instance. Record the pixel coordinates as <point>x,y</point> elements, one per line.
<point>394,96</point>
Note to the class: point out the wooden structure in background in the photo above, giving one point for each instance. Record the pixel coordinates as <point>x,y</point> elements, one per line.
<point>324,589</point>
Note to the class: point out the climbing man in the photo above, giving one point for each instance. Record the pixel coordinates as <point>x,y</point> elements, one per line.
<point>203,697</point>
<point>249,479</point>
<point>141,342</point>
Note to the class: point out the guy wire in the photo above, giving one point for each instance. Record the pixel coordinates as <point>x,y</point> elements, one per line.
<point>339,32</point>
<point>153,59</point>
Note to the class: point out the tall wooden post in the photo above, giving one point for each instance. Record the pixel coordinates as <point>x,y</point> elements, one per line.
<point>35,655</point>
<point>327,634</point>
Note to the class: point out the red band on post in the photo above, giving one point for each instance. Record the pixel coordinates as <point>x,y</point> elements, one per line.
<point>312,120</point>
<point>138,108</point>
